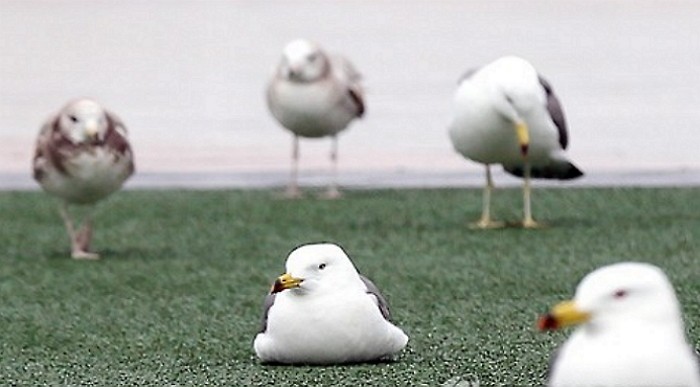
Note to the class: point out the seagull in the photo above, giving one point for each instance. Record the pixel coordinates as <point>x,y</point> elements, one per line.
<point>322,311</point>
<point>506,113</point>
<point>631,332</point>
<point>314,94</point>
<point>82,155</point>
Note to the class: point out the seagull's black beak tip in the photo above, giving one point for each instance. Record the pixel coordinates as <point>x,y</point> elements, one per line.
<point>547,323</point>
<point>524,149</point>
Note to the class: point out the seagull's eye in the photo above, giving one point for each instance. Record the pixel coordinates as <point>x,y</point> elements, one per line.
<point>73,118</point>
<point>321,266</point>
<point>620,294</point>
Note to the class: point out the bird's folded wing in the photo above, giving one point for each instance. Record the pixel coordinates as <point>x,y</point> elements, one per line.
<point>556,112</point>
<point>382,304</point>
<point>269,301</point>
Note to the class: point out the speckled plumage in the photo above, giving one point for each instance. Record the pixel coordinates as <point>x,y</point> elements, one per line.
<point>82,155</point>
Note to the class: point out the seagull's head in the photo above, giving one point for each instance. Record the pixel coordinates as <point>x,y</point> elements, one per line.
<point>321,267</point>
<point>83,121</point>
<point>303,61</point>
<point>618,295</point>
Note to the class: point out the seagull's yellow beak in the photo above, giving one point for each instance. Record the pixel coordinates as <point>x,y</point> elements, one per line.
<point>563,315</point>
<point>523,134</point>
<point>284,282</point>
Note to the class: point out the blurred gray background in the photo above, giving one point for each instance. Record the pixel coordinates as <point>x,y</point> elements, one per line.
<point>188,79</point>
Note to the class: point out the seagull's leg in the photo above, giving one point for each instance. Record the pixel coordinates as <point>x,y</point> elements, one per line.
<point>333,192</point>
<point>293,191</point>
<point>486,222</point>
<point>81,248</point>
<point>63,210</point>
<point>528,222</point>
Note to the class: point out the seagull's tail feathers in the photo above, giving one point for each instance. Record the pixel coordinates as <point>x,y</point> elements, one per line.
<point>559,170</point>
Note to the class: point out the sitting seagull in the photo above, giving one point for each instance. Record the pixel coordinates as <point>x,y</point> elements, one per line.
<point>324,312</point>
<point>631,332</point>
<point>314,94</point>
<point>506,113</point>
<point>82,155</point>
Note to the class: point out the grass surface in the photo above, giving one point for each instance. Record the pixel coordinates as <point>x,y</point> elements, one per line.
<point>176,298</point>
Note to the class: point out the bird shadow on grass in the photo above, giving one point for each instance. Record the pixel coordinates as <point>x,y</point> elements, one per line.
<point>275,365</point>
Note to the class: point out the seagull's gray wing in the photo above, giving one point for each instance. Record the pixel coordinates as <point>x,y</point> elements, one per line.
<point>468,74</point>
<point>115,141</point>
<point>116,135</point>
<point>381,301</point>
<point>350,77</point>
<point>556,112</point>
<point>56,147</point>
<point>344,69</point>
<point>358,100</point>
<point>269,301</point>
<point>40,160</point>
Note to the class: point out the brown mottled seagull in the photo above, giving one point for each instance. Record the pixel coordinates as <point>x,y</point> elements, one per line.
<point>313,95</point>
<point>82,156</point>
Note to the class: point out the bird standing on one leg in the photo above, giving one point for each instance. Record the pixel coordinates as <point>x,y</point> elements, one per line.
<point>82,156</point>
<point>506,113</point>
<point>313,95</point>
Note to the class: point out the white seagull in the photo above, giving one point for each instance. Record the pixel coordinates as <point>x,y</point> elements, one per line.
<point>82,155</point>
<point>314,94</point>
<point>631,332</point>
<point>506,113</point>
<point>322,311</point>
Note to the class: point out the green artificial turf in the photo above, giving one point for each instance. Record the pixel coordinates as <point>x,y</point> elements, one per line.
<point>177,297</point>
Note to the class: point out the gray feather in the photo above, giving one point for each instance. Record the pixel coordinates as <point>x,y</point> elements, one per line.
<point>556,112</point>
<point>556,169</point>
<point>468,74</point>
<point>381,301</point>
<point>269,301</point>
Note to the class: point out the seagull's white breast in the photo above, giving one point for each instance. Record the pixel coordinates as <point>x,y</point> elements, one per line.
<point>314,109</point>
<point>635,357</point>
<point>482,132</point>
<point>328,328</point>
<point>90,176</point>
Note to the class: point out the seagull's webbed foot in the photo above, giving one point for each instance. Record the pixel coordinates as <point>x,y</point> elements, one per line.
<point>293,192</point>
<point>331,193</point>
<point>84,255</point>
<point>530,223</point>
<point>81,243</point>
<point>487,224</point>
<point>80,239</point>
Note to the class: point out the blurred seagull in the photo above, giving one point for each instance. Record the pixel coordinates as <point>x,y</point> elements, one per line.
<point>631,332</point>
<point>314,94</point>
<point>82,155</point>
<point>324,312</point>
<point>506,113</point>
